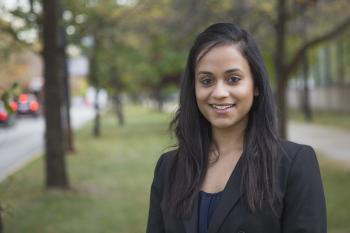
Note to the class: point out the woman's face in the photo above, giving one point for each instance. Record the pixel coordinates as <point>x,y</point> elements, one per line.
<point>224,87</point>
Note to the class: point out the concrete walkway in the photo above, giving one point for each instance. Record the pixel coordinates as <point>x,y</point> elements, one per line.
<point>331,142</point>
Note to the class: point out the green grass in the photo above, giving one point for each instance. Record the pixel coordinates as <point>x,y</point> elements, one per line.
<point>334,119</point>
<point>336,181</point>
<point>110,179</point>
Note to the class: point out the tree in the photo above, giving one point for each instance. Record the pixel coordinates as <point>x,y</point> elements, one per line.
<point>32,21</point>
<point>283,68</point>
<point>305,102</point>
<point>56,175</point>
<point>68,131</point>
<point>100,28</point>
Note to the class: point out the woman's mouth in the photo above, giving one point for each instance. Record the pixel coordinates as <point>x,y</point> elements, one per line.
<point>222,108</point>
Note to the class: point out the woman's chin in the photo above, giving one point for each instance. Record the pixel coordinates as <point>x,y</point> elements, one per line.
<point>222,125</point>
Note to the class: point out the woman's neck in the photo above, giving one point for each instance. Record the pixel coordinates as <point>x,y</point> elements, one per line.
<point>228,141</point>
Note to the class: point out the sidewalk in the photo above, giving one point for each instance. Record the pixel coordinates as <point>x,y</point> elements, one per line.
<point>331,142</point>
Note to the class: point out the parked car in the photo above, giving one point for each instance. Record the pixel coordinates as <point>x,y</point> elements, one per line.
<point>7,118</point>
<point>28,104</point>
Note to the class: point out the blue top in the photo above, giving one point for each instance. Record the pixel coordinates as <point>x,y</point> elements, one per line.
<point>207,204</point>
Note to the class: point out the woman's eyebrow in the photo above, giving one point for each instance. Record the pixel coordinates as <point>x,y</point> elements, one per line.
<point>232,70</point>
<point>204,72</point>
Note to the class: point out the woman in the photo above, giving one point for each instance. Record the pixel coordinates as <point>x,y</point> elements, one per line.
<point>231,172</point>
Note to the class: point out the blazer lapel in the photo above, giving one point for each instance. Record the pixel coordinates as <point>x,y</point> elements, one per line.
<point>191,223</point>
<point>229,198</point>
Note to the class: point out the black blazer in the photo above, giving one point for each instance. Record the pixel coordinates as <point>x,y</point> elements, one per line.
<point>302,211</point>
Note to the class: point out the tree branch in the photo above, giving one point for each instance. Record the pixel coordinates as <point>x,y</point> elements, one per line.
<point>336,31</point>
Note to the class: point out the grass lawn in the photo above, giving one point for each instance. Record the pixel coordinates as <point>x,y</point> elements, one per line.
<point>336,181</point>
<point>334,119</point>
<point>110,179</point>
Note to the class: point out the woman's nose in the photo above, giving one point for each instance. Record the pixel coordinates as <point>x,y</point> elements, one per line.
<point>220,90</point>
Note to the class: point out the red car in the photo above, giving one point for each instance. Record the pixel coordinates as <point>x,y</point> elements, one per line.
<point>7,118</point>
<point>28,104</point>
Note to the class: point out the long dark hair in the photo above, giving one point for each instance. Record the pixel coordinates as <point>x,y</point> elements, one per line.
<point>193,131</point>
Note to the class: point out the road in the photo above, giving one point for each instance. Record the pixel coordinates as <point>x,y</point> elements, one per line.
<point>25,140</point>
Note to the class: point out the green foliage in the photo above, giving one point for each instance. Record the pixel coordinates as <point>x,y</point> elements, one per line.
<point>143,43</point>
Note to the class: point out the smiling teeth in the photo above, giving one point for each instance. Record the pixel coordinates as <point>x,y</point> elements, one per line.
<point>221,107</point>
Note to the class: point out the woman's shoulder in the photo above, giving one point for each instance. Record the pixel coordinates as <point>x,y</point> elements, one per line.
<point>291,150</point>
<point>165,160</point>
<point>163,167</point>
<point>298,157</point>
<point>299,166</point>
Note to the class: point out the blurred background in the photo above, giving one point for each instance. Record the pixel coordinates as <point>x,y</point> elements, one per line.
<point>88,88</point>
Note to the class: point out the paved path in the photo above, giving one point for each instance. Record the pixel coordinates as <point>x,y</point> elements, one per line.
<point>25,140</point>
<point>331,142</point>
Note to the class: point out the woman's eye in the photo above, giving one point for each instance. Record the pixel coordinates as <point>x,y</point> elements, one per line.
<point>205,81</point>
<point>233,79</point>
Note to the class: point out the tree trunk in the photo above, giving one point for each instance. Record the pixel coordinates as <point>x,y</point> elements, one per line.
<point>118,106</point>
<point>97,121</point>
<point>56,176</point>
<point>306,93</point>
<point>159,98</point>
<point>69,145</point>
<point>318,69</point>
<point>94,80</point>
<point>116,98</point>
<point>340,62</point>
<point>279,57</point>
<point>328,65</point>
